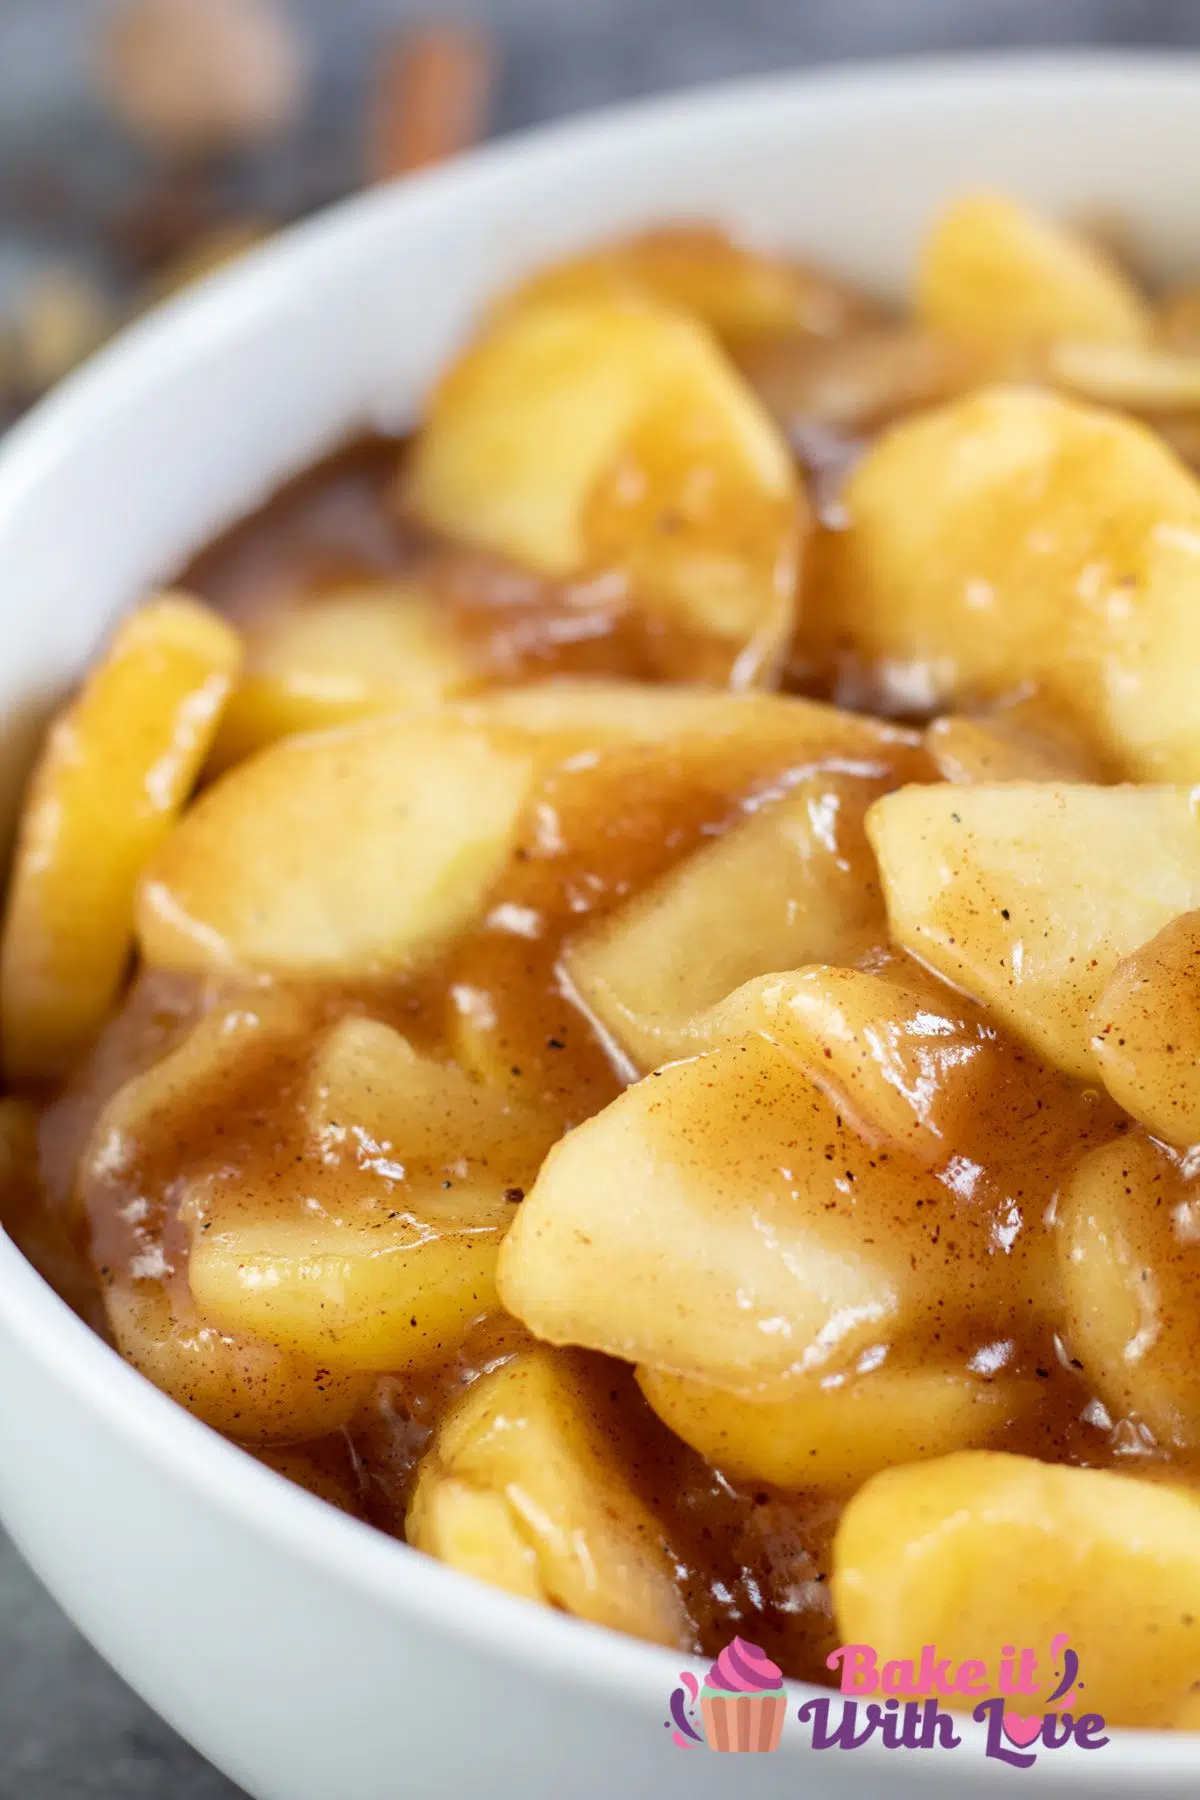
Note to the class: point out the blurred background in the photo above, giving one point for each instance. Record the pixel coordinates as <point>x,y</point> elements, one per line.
<point>143,142</point>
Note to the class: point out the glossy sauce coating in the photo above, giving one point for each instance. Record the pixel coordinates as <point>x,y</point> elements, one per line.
<point>748,1558</point>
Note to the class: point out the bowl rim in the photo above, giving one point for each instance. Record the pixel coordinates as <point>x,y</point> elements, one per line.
<point>384,1570</point>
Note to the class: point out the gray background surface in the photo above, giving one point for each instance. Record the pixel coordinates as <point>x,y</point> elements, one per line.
<point>69,1729</point>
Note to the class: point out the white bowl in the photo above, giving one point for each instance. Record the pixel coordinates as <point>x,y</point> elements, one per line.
<point>309,1657</point>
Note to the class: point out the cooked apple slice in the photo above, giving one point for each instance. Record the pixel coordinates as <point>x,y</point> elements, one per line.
<point>357,651</point>
<point>914,1065</point>
<point>250,1389</point>
<point>1028,896</point>
<point>117,766</point>
<point>569,715</point>
<point>739,293</point>
<point>1146,1032</point>
<point>521,1487</point>
<point>1013,537</point>
<point>613,823</point>
<point>997,274</point>
<point>853,384</point>
<point>833,1434</point>
<point>754,737</point>
<point>1129,1265</point>
<point>476,1531</point>
<point>372,1097</point>
<point>179,1099</point>
<point>793,882</point>
<point>1015,743</point>
<point>584,437</point>
<point>379,1250</point>
<point>721,1219</point>
<point>347,854</point>
<point>984,1549</point>
<point>350,1292</point>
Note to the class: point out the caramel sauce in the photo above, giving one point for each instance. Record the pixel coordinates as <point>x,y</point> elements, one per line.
<point>747,1559</point>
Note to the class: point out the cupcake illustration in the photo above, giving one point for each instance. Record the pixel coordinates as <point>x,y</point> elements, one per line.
<point>743,1701</point>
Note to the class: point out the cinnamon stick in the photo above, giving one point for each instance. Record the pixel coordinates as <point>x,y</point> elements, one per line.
<point>432,90</point>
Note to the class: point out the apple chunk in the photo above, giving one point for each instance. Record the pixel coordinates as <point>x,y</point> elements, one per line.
<point>722,1220</point>
<point>378,1249</point>
<point>117,766</point>
<point>1011,538</point>
<point>1129,1268</point>
<point>614,813</point>
<point>603,435</point>
<point>348,654</point>
<point>349,854</point>
<point>1021,742</point>
<point>372,1293</point>
<point>1146,1032</point>
<point>982,1549</point>
<point>793,882</point>
<point>372,1095</point>
<point>566,716</point>
<point>521,1487</point>
<point>995,273</point>
<point>914,1064</point>
<point>1029,895</point>
<point>834,1434</point>
<point>247,1387</point>
<point>739,293</point>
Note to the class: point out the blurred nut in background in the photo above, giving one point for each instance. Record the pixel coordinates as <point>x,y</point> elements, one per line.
<point>199,77</point>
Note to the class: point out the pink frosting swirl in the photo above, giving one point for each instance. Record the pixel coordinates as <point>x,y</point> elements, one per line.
<point>743,1668</point>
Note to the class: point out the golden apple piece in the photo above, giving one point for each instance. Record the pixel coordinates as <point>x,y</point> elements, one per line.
<point>373,1097</point>
<point>381,1293</point>
<point>739,293</point>
<point>912,1064</point>
<point>1027,896</point>
<point>721,1219</point>
<point>1146,1032</point>
<point>833,1434</point>
<point>995,273</point>
<point>568,715</point>
<point>612,822</point>
<point>1013,537</point>
<point>348,854</point>
<point>476,1531</point>
<point>1141,378</point>
<point>117,766</point>
<point>1129,1268</point>
<point>249,1389</point>
<point>184,1097</point>
<point>982,1549</point>
<point>604,436</point>
<point>1017,743</point>
<point>852,385</point>
<point>352,653</point>
<point>524,1464</point>
<point>379,1252</point>
<point>792,882</point>
<point>754,737</point>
